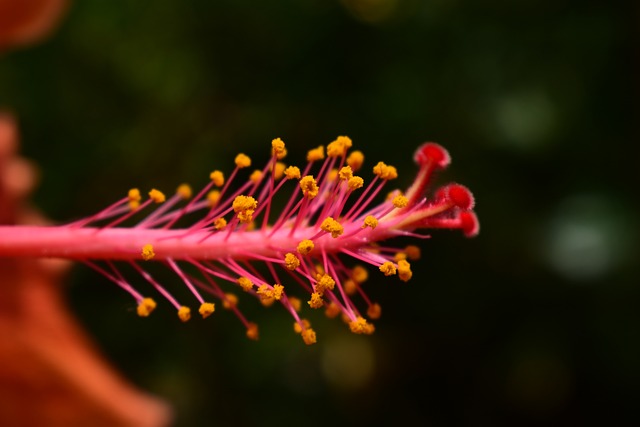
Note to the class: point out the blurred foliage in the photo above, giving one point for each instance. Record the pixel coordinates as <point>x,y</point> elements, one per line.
<point>535,322</point>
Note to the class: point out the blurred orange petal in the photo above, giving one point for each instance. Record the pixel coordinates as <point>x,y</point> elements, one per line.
<point>27,21</point>
<point>50,372</point>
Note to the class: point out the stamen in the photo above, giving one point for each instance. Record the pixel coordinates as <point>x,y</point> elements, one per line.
<point>310,240</point>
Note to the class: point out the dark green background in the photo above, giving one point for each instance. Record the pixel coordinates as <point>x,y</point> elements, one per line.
<point>535,322</point>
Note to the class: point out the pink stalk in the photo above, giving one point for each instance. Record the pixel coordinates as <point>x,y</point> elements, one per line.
<point>309,240</point>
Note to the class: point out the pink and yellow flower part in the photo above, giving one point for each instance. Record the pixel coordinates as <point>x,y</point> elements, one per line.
<point>316,253</point>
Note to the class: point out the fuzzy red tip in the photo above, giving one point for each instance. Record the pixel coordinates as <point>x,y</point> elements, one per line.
<point>434,153</point>
<point>469,223</point>
<point>460,196</point>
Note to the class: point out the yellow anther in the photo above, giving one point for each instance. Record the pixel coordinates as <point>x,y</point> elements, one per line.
<point>305,247</point>
<point>278,170</point>
<point>355,160</point>
<point>265,292</point>
<point>315,154</point>
<point>332,310</point>
<point>309,336</point>
<point>339,147</point>
<point>256,176</point>
<point>374,311</point>
<point>220,224</point>
<point>384,171</point>
<point>345,140</point>
<point>242,161</point>
<point>392,173</point>
<point>184,313</point>
<point>245,283</point>
<point>360,326</point>
<point>355,182</point>
<point>346,173</point>
<point>359,274</point>
<point>145,307</point>
<point>206,308</point>
<point>184,191</point>
<point>292,172</point>
<point>230,300</point>
<point>244,206</point>
<point>217,177</point>
<point>400,202</point>
<point>309,187</point>
<point>252,331</point>
<point>301,325</point>
<point>334,150</point>
<point>413,252</point>
<point>291,261</point>
<point>332,175</point>
<point>278,290</point>
<point>134,195</point>
<point>278,149</point>
<point>213,197</point>
<point>370,221</point>
<point>269,294</point>
<point>404,270</point>
<point>147,252</point>
<point>277,145</point>
<point>295,303</point>
<point>315,301</point>
<point>157,196</point>
<point>134,198</point>
<point>246,216</point>
<point>332,226</point>
<point>388,268</point>
<point>350,286</point>
<point>243,203</point>
<point>324,283</point>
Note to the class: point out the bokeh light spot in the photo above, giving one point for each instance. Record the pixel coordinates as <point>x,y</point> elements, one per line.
<point>525,120</point>
<point>587,238</point>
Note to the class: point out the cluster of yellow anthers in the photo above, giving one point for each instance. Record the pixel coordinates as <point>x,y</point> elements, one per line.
<point>330,215</point>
